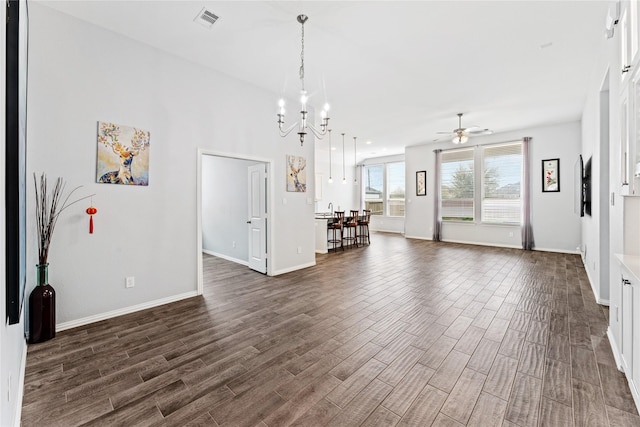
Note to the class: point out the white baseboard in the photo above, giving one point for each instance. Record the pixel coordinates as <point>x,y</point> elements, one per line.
<point>559,251</point>
<point>614,349</point>
<point>385,231</point>
<point>418,237</point>
<point>23,367</point>
<point>228,258</point>
<point>496,245</point>
<point>617,357</point>
<point>121,311</point>
<point>599,300</point>
<point>290,269</point>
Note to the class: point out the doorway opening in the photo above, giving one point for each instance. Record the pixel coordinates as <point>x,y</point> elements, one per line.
<point>232,209</point>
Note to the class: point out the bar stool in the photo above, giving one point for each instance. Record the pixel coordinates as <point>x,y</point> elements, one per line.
<point>350,225</point>
<point>363,226</point>
<point>334,226</point>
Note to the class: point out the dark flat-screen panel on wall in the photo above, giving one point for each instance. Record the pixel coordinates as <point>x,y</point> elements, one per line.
<point>578,177</point>
<point>15,156</point>
<point>587,187</point>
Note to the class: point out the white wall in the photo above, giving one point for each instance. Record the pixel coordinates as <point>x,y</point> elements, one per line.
<point>225,207</point>
<point>80,74</point>
<point>555,226</point>
<point>12,343</point>
<point>346,196</point>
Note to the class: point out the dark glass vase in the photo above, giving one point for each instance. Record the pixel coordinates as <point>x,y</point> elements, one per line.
<point>42,308</point>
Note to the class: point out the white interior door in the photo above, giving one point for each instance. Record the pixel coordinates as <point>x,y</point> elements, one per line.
<point>257,221</point>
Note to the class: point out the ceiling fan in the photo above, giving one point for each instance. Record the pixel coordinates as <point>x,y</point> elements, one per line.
<point>461,135</point>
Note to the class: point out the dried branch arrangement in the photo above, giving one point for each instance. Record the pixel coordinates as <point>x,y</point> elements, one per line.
<point>48,208</point>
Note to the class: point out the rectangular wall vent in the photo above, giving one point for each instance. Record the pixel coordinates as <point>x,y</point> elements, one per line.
<point>206,18</point>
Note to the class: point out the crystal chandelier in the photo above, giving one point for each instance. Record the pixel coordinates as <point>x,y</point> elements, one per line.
<point>303,124</point>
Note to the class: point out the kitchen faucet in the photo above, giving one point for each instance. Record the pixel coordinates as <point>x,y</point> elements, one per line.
<point>330,207</point>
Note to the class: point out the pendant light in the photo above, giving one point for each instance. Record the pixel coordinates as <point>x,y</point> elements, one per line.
<point>344,176</point>
<point>355,161</point>
<point>330,175</point>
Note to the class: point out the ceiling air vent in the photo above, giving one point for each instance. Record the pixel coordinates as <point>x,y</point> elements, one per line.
<point>206,18</point>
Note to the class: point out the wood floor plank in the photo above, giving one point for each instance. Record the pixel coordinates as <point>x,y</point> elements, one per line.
<point>583,365</point>
<point>512,343</point>
<point>462,399</point>
<point>302,402</point>
<point>618,418</point>
<point>352,363</point>
<point>396,370</point>
<point>425,408</point>
<point>532,360</point>
<point>469,341</point>
<point>449,371</point>
<point>555,414</point>
<point>359,409</point>
<point>501,376</point>
<point>381,417</point>
<point>408,389</point>
<point>482,359</point>
<point>352,386</point>
<point>489,411</point>
<point>438,352</point>
<point>319,414</point>
<point>588,407</point>
<point>524,402</point>
<point>557,381</point>
<point>616,389</point>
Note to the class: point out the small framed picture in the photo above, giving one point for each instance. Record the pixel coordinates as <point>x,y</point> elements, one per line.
<point>551,176</point>
<point>421,183</point>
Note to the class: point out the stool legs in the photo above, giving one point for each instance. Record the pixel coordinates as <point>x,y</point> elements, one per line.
<point>334,241</point>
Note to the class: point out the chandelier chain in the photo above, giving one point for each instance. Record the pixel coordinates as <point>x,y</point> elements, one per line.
<point>302,58</point>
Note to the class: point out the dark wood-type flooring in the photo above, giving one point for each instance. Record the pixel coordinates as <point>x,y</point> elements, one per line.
<point>403,332</point>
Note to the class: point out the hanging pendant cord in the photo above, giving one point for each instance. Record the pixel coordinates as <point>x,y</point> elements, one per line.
<point>302,57</point>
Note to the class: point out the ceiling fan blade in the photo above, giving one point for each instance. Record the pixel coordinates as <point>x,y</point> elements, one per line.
<point>446,133</point>
<point>472,129</point>
<point>480,132</point>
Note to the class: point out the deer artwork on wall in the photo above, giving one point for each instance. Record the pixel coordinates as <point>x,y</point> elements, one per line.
<point>296,175</point>
<point>127,144</point>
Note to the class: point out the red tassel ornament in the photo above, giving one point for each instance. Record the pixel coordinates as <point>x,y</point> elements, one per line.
<point>91,211</point>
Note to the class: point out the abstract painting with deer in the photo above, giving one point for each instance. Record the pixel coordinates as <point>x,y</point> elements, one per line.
<point>123,155</point>
<point>296,174</point>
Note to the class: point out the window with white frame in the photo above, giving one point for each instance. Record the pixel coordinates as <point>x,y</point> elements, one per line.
<point>482,183</point>
<point>458,185</point>
<point>384,188</point>
<point>501,182</point>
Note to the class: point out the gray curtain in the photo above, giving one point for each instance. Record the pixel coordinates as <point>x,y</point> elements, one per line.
<point>437,202</point>
<point>527,231</point>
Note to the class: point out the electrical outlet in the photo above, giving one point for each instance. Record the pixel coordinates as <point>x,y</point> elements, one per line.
<point>233,244</point>
<point>129,282</point>
<point>299,249</point>
<point>511,234</point>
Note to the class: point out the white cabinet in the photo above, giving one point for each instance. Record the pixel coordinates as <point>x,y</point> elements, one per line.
<point>629,348</point>
<point>629,45</point>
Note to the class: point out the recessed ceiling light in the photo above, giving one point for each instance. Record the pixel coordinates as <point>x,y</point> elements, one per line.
<point>333,148</point>
<point>368,142</point>
<point>546,45</point>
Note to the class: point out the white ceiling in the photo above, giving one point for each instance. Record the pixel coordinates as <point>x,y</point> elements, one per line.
<point>394,72</point>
